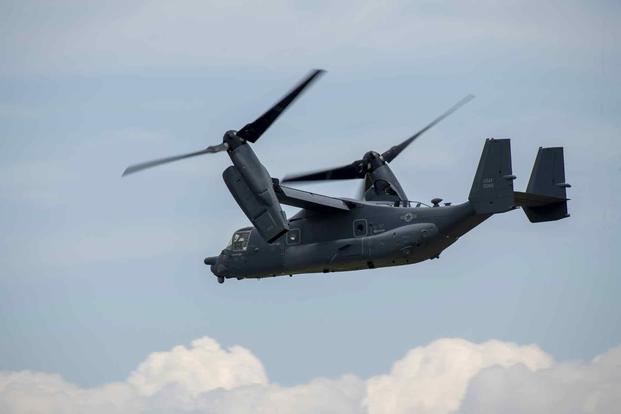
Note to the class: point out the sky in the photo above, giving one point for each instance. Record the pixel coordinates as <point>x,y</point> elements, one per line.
<point>105,303</point>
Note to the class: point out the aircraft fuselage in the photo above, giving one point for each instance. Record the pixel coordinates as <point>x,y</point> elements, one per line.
<point>369,236</point>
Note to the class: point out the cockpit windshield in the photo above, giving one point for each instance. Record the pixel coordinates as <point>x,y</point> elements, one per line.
<point>239,241</point>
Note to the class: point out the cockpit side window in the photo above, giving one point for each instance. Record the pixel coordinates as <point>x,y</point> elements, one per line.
<point>239,242</point>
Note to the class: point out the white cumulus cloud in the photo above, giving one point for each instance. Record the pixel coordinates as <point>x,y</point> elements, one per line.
<point>446,376</point>
<point>203,367</point>
<point>576,387</point>
<point>433,379</point>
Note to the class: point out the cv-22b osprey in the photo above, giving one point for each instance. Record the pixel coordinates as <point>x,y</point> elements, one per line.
<point>378,229</point>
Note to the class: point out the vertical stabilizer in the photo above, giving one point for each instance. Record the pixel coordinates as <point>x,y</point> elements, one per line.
<point>547,179</point>
<point>492,188</point>
<point>548,175</point>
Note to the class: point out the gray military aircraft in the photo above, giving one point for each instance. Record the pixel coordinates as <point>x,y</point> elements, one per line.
<point>380,228</point>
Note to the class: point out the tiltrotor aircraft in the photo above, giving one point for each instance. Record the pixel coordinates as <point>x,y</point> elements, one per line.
<point>382,227</point>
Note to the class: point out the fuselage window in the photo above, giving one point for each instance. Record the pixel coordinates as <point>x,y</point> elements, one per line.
<point>293,236</point>
<point>240,239</point>
<point>360,228</point>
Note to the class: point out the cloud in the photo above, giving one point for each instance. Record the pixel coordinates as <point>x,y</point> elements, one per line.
<point>577,387</point>
<point>434,379</point>
<point>446,376</point>
<point>45,181</point>
<point>35,182</point>
<point>176,380</point>
<point>203,367</point>
<point>119,37</point>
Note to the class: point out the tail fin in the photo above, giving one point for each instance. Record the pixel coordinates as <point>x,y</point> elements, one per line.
<point>492,188</point>
<point>546,197</point>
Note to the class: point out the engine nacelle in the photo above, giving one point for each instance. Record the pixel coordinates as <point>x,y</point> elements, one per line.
<point>252,188</point>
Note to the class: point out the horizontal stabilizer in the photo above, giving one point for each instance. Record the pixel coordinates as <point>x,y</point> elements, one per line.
<point>534,200</point>
<point>548,212</point>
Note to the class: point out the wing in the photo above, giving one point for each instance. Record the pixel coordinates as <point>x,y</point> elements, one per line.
<point>305,199</point>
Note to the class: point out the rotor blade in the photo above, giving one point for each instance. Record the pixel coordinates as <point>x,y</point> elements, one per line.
<point>346,172</point>
<point>253,131</point>
<point>150,164</point>
<point>392,153</point>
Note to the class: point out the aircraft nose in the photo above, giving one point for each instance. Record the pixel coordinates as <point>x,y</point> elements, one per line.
<point>211,260</point>
<point>216,264</point>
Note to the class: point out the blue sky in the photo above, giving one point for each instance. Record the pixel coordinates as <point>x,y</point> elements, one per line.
<point>97,272</point>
